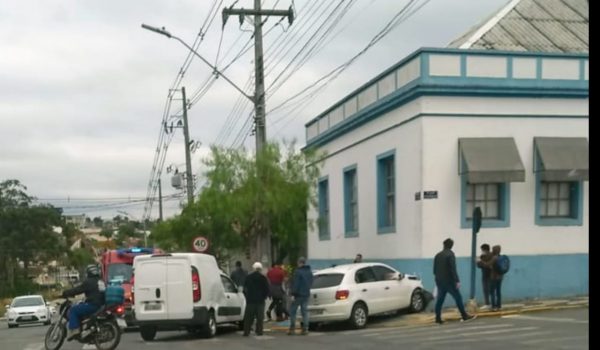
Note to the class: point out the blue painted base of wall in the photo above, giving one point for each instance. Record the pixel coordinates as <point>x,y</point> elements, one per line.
<point>530,276</point>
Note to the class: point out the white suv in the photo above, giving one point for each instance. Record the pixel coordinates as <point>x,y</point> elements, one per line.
<point>355,291</point>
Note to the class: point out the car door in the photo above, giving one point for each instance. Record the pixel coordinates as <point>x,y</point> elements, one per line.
<point>366,289</point>
<point>179,288</point>
<point>231,308</point>
<point>392,294</point>
<point>151,289</point>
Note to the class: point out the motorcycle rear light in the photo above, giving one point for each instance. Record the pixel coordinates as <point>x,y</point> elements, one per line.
<point>120,310</point>
<point>196,291</point>
<point>342,294</point>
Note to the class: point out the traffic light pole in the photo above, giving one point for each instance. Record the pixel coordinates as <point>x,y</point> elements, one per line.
<point>475,230</point>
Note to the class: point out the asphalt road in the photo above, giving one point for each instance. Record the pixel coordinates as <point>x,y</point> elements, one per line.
<point>564,329</point>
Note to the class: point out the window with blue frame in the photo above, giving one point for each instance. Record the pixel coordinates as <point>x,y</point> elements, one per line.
<point>558,203</point>
<point>386,193</point>
<point>351,201</point>
<point>323,221</point>
<point>492,198</point>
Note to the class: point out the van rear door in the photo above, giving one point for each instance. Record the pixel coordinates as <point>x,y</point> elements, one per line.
<point>150,288</point>
<point>179,288</point>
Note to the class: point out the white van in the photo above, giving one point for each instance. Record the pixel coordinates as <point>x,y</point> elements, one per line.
<point>183,291</point>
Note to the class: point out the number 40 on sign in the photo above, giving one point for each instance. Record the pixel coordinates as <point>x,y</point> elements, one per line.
<point>200,244</point>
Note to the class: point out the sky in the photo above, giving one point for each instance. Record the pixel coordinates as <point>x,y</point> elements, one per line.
<point>84,88</point>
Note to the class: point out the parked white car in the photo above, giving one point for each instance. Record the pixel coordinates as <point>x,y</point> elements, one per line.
<point>354,292</point>
<point>28,309</point>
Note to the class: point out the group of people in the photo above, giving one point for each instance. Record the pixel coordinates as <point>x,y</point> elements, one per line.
<point>448,282</point>
<point>257,288</point>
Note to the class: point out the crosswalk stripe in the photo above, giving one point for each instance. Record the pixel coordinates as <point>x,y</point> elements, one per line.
<point>438,329</point>
<point>552,340</point>
<point>547,319</point>
<point>35,346</point>
<point>461,333</point>
<point>501,337</point>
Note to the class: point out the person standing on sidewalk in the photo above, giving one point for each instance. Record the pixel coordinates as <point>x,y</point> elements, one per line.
<point>276,276</point>
<point>486,272</point>
<point>358,258</point>
<point>301,284</point>
<point>495,279</point>
<point>239,274</point>
<point>256,291</point>
<point>447,281</point>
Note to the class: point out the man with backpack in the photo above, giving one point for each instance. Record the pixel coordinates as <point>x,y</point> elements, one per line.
<point>498,265</point>
<point>486,272</point>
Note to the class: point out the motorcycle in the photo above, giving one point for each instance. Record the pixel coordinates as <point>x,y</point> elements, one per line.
<point>101,329</point>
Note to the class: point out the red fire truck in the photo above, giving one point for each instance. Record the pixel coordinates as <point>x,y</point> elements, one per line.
<point>117,268</point>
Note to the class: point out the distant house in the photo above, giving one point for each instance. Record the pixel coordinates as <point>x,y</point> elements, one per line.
<point>78,220</point>
<point>499,121</point>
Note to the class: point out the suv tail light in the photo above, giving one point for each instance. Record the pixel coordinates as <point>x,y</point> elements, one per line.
<point>342,294</point>
<point>196,292</point>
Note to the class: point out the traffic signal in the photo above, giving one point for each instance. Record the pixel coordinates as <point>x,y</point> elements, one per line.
<point>476,219</point>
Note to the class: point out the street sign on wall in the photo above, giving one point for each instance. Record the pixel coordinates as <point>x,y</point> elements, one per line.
<point>200,244</point>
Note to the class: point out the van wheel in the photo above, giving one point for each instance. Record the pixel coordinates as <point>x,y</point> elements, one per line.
<point>359,315</point>
<point>210,329</point>
<point>148,332</point>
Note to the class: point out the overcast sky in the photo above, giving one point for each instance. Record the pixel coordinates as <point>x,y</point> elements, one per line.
<point>83,87</point>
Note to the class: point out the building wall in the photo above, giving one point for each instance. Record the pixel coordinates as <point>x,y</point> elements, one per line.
<point>361,149</point>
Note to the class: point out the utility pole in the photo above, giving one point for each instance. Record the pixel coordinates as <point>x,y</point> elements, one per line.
<point>188,161</point>
<point>263,244</point>
<point>160,209</point>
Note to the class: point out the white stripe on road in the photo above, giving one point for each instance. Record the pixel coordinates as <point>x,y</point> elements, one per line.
<point>88,347</point>
<point>461,334</point>
<point>440,329</point>
<point>36,346</point>
<point>502,337</point>
<point>552,340</point>
<point>547,319</point>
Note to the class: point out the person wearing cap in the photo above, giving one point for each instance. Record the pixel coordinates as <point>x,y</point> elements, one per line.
<point>256,290</point>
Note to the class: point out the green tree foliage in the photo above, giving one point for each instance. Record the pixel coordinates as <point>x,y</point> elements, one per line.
<point>237,189</point>
<point>98,222</point>
<point>26,233</point>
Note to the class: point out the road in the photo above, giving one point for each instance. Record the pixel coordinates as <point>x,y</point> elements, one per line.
<point>564,329</point>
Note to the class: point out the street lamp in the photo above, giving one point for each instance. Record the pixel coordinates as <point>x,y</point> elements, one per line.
<point>164,32</point>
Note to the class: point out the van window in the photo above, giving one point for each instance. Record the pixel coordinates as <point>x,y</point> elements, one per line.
<point>327,280</point>
<point>228,285</point>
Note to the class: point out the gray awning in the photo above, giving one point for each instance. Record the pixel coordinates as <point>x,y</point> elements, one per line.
<point>490,160</point>
<point>562,158</point>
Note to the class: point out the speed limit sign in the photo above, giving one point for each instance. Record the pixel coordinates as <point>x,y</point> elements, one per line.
<point>200,244</point>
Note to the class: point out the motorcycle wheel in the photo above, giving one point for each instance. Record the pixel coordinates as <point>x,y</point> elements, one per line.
<point>108,336</point>
<point>55,336</point>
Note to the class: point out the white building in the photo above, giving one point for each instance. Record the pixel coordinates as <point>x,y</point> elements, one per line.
<point>499,121</point>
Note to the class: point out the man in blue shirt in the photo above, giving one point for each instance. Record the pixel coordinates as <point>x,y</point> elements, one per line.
<point>301,284</point>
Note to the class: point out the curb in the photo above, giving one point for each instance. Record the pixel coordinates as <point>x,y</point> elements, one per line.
<point>455,317</point>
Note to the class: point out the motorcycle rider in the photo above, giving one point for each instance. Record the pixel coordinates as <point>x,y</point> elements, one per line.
<point>93,287</point>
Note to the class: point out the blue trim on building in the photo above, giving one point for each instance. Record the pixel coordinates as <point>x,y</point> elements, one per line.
<point>323,188</point>
<point>509,68</point>
<point>382,226</point>
<point>530,276</point>
<point>462,85</point>
<point>348,172</point>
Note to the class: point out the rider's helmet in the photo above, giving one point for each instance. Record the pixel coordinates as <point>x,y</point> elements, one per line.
<point>92,271</point>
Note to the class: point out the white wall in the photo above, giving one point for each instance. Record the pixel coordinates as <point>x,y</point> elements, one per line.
<point>441,217</point>
<point>406,140</point>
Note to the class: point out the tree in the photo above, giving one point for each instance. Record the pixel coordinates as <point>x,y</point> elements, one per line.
<point>26,233</point>
<point>107,233</point>
<point>244,199</point>
<point>98,222</point>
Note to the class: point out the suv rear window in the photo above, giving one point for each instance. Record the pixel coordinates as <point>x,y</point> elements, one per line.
<point>327,280</point>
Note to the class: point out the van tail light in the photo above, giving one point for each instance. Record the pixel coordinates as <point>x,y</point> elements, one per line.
<point>132,289</point>
<point>342,294</point>
<point>196,292</point>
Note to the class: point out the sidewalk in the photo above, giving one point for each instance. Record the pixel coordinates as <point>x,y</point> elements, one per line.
<point>451,314</point>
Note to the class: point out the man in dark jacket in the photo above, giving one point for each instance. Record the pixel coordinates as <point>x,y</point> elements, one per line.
<point>301,284</point>
<point>484,258</point>
<point>256,290</point>
<point>495,278</point>
<point>93,287</point>
<point>446,280</point>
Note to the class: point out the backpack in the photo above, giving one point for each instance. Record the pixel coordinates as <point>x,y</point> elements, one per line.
<point>502,264</point>
<point>114,295</point>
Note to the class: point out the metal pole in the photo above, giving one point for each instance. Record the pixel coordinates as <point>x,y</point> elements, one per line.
<point>475,228</point>
<point>188,161</point>
<point>160,207</point>
<point>259,91</point>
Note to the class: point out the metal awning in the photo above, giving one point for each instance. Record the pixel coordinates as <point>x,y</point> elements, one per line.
<point>562,158</point>
<point>490,160</point>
